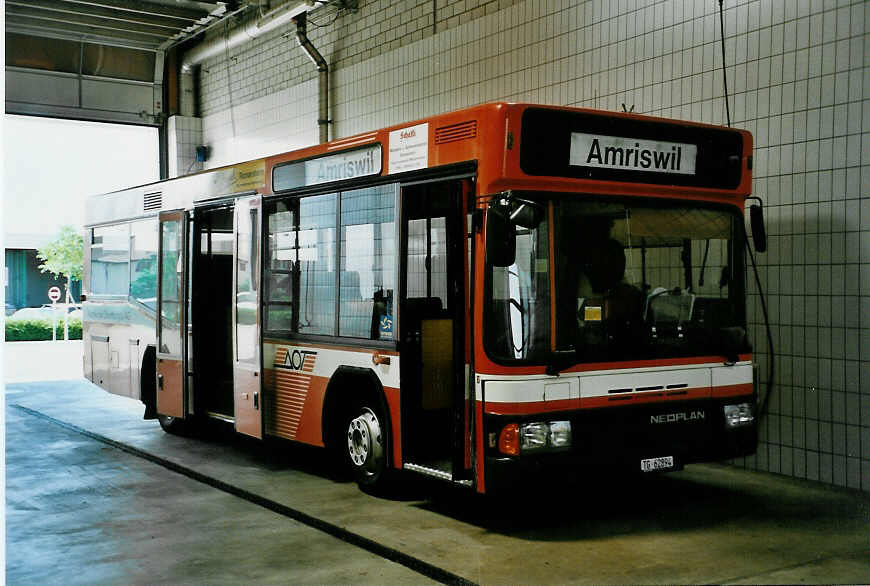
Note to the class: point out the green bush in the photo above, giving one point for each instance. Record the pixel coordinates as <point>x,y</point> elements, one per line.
<point>27,330</point>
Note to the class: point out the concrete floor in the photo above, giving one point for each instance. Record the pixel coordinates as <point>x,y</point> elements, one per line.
<point>81,511</point>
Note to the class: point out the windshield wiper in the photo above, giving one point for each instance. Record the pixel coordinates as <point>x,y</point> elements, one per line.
<point>560,360</point>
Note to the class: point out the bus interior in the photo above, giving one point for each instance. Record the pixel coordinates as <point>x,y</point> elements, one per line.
<point>211,311</point>
<point>432,324</point>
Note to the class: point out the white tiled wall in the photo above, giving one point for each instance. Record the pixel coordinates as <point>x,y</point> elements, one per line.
<point>184,135</point>
<point>799,75</point>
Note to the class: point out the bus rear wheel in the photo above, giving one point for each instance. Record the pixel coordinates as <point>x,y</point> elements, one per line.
<point>366,438</point>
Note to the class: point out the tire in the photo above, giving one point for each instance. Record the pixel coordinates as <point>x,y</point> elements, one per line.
<point>173,425</point>
<point>366,443</point>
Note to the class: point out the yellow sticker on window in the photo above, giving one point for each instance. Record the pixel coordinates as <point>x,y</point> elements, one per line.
<point>592,313</point>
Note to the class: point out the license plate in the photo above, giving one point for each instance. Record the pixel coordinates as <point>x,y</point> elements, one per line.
<point>653,464</point>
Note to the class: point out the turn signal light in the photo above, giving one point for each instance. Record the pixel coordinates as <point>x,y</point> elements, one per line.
<point>509,440</point>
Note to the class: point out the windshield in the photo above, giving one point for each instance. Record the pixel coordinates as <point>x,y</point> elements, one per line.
<point>617,281</point>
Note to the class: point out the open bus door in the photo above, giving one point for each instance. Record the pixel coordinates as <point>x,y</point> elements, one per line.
<point>172,312</point>
<point>246,318</point>
<point>432,318</point>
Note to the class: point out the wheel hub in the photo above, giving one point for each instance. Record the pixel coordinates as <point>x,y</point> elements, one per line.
<point>364,440</point>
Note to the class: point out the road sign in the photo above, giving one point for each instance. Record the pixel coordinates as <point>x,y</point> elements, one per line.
<point>54,293</point>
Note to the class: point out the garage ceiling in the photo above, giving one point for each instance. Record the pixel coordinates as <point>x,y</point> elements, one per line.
<point>100,59</point>
<point>106,60</point>
<point>140,24</point>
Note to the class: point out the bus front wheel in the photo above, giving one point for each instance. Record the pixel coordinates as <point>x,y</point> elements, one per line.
<point>172,425</point>
<point>366,441</point>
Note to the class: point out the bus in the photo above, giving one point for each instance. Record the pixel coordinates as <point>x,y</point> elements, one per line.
<point>506,291</point>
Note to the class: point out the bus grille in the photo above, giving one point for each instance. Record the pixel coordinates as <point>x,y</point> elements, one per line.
<point>152,201</point>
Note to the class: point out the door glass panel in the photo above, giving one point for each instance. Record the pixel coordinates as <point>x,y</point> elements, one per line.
<point>438,259</point>
<point>281,267</point>
<point>427,259</point>
<point>172,273</point>
<point>246,285</point>
<point>417,258</point>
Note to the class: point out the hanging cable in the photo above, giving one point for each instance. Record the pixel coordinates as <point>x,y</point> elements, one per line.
<point>762,411</point>
<point>724,72</point>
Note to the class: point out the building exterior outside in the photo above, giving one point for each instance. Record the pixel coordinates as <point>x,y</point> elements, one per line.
<point>25,285</point>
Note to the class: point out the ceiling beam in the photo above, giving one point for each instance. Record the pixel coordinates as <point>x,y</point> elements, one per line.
<point>50,19</point>
<point>92,37</point>
<point>172,10</point>
<point>60,9</point>
<point>84,32</point>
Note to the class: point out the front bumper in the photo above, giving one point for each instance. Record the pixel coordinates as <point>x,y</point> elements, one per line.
<point>614,441</point>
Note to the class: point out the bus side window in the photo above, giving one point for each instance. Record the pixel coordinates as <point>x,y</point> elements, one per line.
<point>143,263</point>
<point>312,287</point>
<point>110,260</point>
<point>368,261</point>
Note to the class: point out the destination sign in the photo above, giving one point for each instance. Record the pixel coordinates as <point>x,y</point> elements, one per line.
<point>616,152</point>
<point>602,147</point>
<point>337,167</point>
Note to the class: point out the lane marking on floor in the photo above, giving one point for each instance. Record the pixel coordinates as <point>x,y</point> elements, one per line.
<point>421,567</point>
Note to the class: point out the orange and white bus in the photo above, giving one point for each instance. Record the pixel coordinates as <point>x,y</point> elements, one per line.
<point>502,290</point>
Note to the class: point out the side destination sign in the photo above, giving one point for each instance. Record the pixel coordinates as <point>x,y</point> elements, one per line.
<point>630,154</point>
<point>351,164</point>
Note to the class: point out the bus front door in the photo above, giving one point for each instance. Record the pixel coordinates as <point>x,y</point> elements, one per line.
<point>172,312</point>
<point>432,325</point>
<point>246,318</point>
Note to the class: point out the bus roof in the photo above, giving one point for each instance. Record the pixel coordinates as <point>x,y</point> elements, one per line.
<point>513,145</point>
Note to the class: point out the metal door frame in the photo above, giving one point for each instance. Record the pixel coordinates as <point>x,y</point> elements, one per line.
<point>182,217</point>
<point>245,370</point>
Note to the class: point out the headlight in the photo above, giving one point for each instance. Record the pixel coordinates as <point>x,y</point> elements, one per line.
<point>560,434</point>
<point>739,415</point>
<point>534,436</point>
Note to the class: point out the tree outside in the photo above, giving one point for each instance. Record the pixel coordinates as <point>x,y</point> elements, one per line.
<point>63,257</point>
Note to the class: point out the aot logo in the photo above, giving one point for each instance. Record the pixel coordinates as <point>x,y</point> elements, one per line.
<point>299,360</point>
<point>677,417</point>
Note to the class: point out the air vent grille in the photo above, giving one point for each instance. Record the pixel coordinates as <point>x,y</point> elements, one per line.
<point>152,201</point>
<point>454,132</point>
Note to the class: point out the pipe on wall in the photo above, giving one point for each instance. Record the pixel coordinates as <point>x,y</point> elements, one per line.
<point>323,75</point>
<point>217,46</point>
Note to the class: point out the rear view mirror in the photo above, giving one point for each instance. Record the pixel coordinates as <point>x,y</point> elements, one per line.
<point>526,214</point>
<point>756,222</point>
<point>501,248</point>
